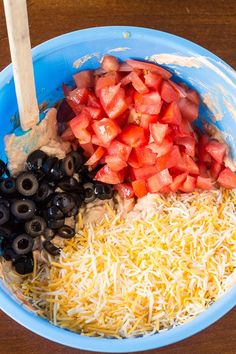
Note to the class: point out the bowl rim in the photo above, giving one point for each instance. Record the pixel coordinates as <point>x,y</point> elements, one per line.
<point>47,330</point>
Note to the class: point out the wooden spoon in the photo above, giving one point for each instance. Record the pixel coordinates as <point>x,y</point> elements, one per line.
<point>19,40</point>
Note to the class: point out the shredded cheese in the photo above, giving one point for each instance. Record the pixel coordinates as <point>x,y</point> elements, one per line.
<point>160,266</point>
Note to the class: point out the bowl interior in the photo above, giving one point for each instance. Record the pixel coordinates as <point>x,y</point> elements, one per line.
<point>55,62</point>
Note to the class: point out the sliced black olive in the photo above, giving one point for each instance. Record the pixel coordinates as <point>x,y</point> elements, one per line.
<point>35,160</point>
<point>8,187</point>
<point>24,264</point>
<point>57,172</point>
<point>44,193</point>
<point>78,160</point>
<point>66,232</point>
<point>22,244</point>
<point>48,164</point>
<point>103,191</point>
<point>51,248</point>
<point>78,198</point>
<point>70,184</point>
<point>23,209</point>
<point>64,201</point>
<point>73,212</point>
<point>49,233</point>
<point>4,214</point>
<point>5,202</point>
<point>35,227</point>
<point>89,192</point>
<point>54,213</point>
<point>27,184</point>
<point>5,232</point>
<point>9,255</point>
<point>68,165</point>
<point>55,224</point>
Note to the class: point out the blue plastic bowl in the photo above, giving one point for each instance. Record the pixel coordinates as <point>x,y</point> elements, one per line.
<point>53,64</point>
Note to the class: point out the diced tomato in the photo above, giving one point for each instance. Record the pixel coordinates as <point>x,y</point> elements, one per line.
<point>137,83</point>
<point>110,63</point>
<point>204,183</point>
<point>182,93</point>
<point>169,160</point>
<point>145,156</point>
<point>88,149</point>
<point>113,101</point>
<point>134,117</point>
<point>147,119</point>
<point>84,79</point>
<point>66,90</point>
<point>106,175</point>
<point>140,188</point>
<point>125,190</point>
<point>215,169</point>
<point>122,119</point>
<point>187,164</point>
<point>178,181</point>
<point>79,126</point>
<point>227,178</point>
<point>158,181</point>
<point>165,190</point>
<point>158,131</point>
<point>78,96</point>
<point>189,143</point>
<point>125,67</point>
<point>67,135</point>
<point>203,155</point>
<point>93,101</point>
<point>188,185</point>
<point>95,113</point>
<point>172,114</point>
<point>216,150</point>
<point>153,80</point>
<point>133,135</point>
<point>97,155</point>
<point>168,94</point>
<point>193,96</point>
<point>149,66</point>
<point>110,79</point>
<point>144,172</point>
<point>188,109</point>
<point>203,169</point>
<point>163,148</point>
<point>115,162</point>
<point>96,141</point>
<point>149,103</point>
<point>134,160</point>
<point>106,129</point>
<point>119,149</point>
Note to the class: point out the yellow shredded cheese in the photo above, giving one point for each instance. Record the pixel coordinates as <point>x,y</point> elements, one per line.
<point>160,266</point>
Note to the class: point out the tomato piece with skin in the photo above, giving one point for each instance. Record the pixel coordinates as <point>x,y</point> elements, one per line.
<point>189,143</point>
<point>93,101</point>
<point>158,181</point>
<point>163,148</point>
<point>140,157</point>
<point>95,113</point>
<point>158,131</point>
<point>125,190</point>
<point>79,126</point>
<point>188,164</point>
<point>188,185</point>
<point>78,96</point>
<point>106,130</point>
<point>168,93</point>
<point>113,100</point>
<point>97,155</point>
<point>67,135</point>
<point>110,63</point>
<point>215,169</point>
<point>115,162</point>
<point>216,150</point>
<point>227,178</point>
<point>134,160</point>
<point>144,172</point>
<point>136,81</point>
<point>182,93</point>
<point>193,96</point>
<point>109,79</point>
<point>172,114</point>
<point>178,181</point>
<point>96,141</point>
<point>140,188</point>
<point>133,135</point>
<point>203,155</point>
<point>169,160</point>
<point>88,149</point>
<point>204,183</point>
<point>147,119</point>
<point>188,109</point>
<point>136,64</point>
<point>153,81</point>
<point>84,79</point>
<point>119,149</point>
<point>107,175</point>
<point>149,103</point>
<point>203,169</point>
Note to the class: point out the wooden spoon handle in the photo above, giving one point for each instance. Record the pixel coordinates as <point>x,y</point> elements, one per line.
<point>19,41</point>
